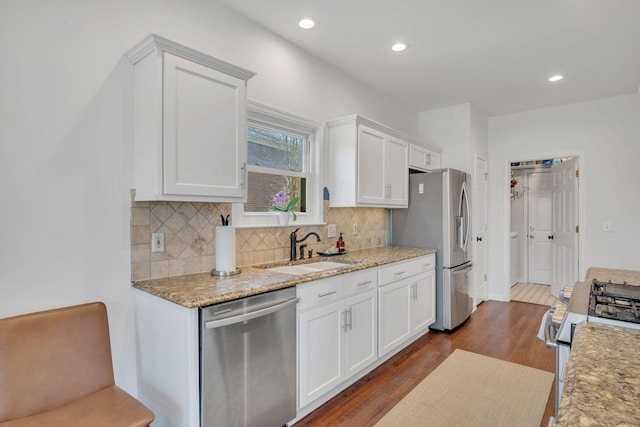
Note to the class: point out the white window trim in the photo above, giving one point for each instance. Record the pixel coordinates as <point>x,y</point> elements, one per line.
<point>269,117</point>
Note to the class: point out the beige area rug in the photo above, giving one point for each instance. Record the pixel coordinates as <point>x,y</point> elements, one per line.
<point>469,389</point>
<point>533,293</point>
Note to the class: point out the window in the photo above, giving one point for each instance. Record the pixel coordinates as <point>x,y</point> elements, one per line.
<point>282,154</point>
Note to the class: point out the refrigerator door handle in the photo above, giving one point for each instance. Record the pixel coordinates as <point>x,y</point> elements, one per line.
<point>468,217</point>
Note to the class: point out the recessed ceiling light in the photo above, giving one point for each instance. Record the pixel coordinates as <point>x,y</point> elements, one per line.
<point>307,23</point>
<point>556,78</point>
<point>399,47</point>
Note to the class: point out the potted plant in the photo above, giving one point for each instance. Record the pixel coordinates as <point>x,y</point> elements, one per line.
<point>284,204</point>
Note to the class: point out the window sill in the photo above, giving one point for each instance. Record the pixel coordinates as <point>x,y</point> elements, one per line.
<point>291,224</point>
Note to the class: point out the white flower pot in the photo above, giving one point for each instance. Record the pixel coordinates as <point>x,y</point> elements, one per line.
<point>283,218</point>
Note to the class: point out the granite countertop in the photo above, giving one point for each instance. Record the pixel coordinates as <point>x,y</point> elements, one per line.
<point>630,277</point>
<point>202,289</point>
<point>602,385</point>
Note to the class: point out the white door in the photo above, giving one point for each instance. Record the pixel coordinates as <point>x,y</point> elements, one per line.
<point>361,324</point>
<point>371,185</point>
<point>540,227</point>
<point>321,341</point>
<point>394,321</point>
<point>480,230</point>
<point>204,130</point>
<point>396,165</point>
<point>423,299</point>
<point>565,223</point>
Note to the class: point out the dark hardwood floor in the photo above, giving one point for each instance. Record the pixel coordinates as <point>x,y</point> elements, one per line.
<point>504,330</point>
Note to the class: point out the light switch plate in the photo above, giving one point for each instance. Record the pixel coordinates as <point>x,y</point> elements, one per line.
<point>331,230</point>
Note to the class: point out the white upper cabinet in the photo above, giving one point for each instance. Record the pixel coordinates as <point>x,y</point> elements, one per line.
<point>190,124</point>
<point>423,159</point>
<point>368,164</point>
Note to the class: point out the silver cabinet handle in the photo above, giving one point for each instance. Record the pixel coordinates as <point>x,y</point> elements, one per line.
<point>349,319</point>
<point>364,283</point>
<point>343,316</point>
<point>325,294</point>
<point>399,273</point>
<point>251,315</point>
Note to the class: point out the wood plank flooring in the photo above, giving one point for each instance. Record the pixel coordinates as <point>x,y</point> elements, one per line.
<point>504,330</point>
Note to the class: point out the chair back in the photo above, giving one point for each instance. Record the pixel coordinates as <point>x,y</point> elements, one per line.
<point>53,357</point>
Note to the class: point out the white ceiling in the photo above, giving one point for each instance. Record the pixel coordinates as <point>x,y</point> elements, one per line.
<point>496,54</point>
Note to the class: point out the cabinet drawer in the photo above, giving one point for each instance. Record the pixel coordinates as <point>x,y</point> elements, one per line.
<point>360,281</point>
<point>320,292</point>
<point>399,271</point>
<point>427,263</point>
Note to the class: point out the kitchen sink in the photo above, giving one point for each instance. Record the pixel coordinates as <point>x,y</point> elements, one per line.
<point>314,267</point>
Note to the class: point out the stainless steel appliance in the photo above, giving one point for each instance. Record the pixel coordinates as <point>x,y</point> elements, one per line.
<point>595,301</point>
<point>248,361</point>
<point>439,216</point>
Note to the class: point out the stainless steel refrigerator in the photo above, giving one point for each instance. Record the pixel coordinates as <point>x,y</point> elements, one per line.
<point>439,217</point>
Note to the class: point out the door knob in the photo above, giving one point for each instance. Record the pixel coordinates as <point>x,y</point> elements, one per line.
<point>531,236</point>
<point>550,237</point>
<point>478,239</point>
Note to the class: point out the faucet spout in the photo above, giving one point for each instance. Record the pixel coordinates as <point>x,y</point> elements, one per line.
<point>293,240</point>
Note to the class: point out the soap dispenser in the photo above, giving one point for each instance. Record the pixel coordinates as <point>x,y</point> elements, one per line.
<point>340,244</point>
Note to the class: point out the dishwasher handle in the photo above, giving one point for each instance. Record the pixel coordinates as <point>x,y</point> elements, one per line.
<point>211,324</point>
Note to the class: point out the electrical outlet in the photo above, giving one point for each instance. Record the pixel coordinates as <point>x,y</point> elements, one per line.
<point>331,230</point>
<point>157,242</point>
<point>355,229</point>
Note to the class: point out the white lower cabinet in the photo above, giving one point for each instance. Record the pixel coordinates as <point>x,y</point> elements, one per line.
<point>406,302</point>
<point>337,337</point>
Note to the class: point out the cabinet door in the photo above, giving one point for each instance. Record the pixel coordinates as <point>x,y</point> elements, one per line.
<point>422,159</point>
<point>423,300</point>
<point>321,354</point>
<point>204,143</point>
<point>361,340</point>
<point>371,183</point>
<point>394,321</point>
<point>396,172</point>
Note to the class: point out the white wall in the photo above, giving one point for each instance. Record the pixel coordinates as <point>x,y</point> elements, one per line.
<point>460,131</point>
<point>606,135</point>
<point>66,138</point>
<point>450,129</point>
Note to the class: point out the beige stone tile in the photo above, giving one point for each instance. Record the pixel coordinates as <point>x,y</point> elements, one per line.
<point>162,211</point>
<point>159,269</point>
<point>258,257</point>
<point>140,216</point>
<point>194,265</point>
<point>140,271</point>
<point>140,253</point>
<point>208,263</point>
<point>177,267</point>
<point>140,234</point>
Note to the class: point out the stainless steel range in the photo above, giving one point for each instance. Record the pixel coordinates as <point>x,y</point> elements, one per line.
<point>616,304</point>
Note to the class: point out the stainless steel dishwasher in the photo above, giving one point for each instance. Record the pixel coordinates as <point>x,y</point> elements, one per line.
<point>248,361</point>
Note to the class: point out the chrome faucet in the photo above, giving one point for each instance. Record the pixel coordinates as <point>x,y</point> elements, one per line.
<point>293,239</point>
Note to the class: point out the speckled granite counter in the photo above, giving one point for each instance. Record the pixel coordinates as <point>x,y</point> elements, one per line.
<point>631,277</point>
<point>198,290</point>
<point>602,386</point>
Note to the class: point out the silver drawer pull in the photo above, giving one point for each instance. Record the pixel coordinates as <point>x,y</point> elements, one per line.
<point>326,294</point>
<point>426,265</point>
<point>366,282</point>
<point>399,273</point>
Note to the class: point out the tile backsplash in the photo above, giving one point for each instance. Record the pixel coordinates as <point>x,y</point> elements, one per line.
<point>189,233</point>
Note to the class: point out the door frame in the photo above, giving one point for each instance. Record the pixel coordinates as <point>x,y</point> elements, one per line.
<point>506,212</point>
